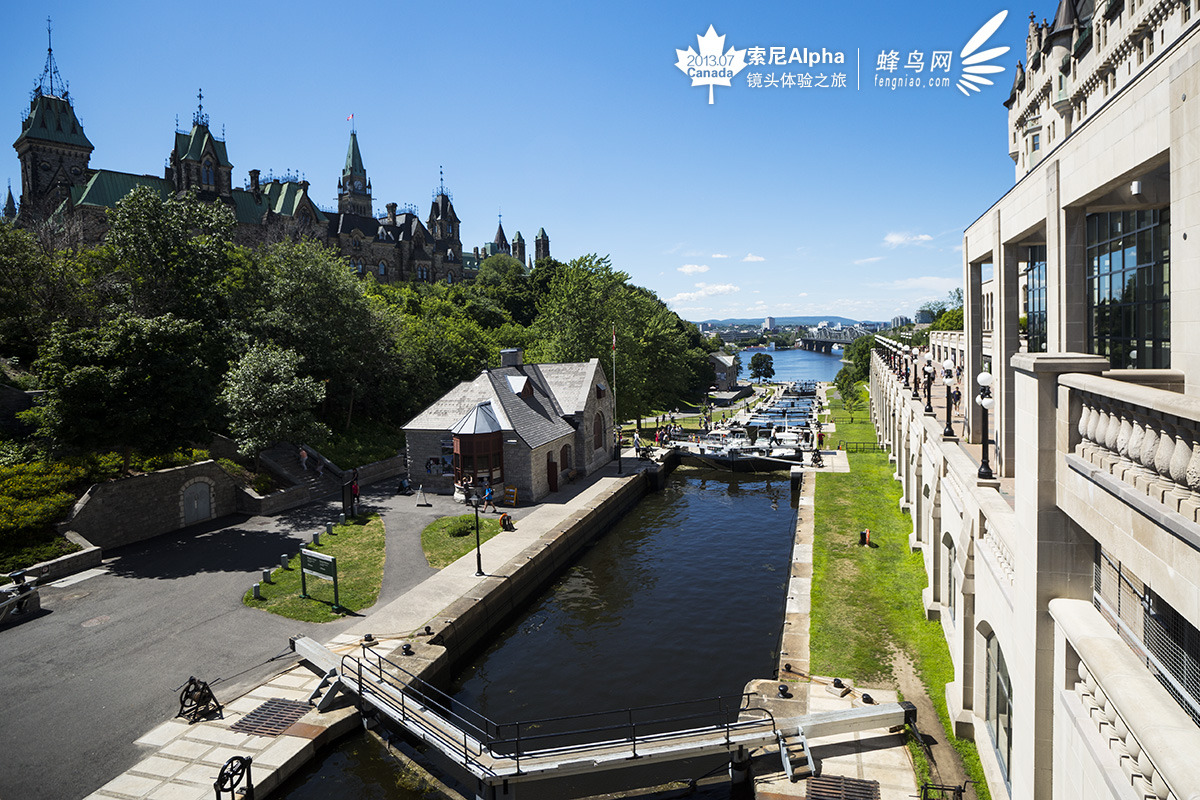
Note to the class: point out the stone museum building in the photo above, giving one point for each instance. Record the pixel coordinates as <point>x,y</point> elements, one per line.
<point>1067,583</point>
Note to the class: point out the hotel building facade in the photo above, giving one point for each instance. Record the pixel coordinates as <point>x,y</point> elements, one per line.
<point>1068,583</point>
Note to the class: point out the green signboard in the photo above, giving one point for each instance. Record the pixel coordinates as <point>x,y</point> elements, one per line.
<point>318,565</point>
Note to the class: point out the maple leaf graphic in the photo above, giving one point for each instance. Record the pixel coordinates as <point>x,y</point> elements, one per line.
<point>713,65</point>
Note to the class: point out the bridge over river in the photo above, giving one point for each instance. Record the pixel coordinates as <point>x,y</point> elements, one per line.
<point>823,339</point>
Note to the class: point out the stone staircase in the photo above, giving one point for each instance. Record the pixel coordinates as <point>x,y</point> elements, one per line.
<point>284,459</point>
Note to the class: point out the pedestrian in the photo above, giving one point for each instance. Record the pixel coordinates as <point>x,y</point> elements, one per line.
<point>488,499</point>
<point>354,493</point>
<point>303,459</point>
<point>637,445</point>
<point>957,397</point>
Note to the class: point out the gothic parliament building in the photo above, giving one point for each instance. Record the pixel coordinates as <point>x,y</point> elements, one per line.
<point>59,184</point>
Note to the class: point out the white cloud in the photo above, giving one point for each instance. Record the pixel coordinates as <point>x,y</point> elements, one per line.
<point>719,255</point>
<point>692,269</point>
<point>704,290</point>
<point>752,257</point>
<point>870,260</point>
<point>896,239</point>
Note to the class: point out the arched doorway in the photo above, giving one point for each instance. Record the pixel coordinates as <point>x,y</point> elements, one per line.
<point>197,503</point>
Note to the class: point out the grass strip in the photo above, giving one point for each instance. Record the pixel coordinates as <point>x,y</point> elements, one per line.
<point>866,601</point>
<point>358,545</point>
<point>448,539</point>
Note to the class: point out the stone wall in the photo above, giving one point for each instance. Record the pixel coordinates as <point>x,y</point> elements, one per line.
<point>141,507</point>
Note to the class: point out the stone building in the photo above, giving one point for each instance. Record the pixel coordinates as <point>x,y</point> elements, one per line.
<point>554,422</point>
<point>60,184</point>
<point>1066,575</point>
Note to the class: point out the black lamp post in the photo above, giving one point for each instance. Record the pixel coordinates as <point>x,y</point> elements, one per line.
<point>929,370</point>
<point>617,445</point>
<point>948,379</point>
<point>985,401</point>
<point>905,349</point>
<point>476,499</point>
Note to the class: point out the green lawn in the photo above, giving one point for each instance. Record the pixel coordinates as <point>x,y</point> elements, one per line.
<point>358,546</point>
<point>450,538</point>
<point>866,601</point>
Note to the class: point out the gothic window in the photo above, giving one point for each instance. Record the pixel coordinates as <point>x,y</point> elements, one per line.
<point>383,268</point>
<point>450,277</point>
<point>207,176</point>
<point>598,432</point>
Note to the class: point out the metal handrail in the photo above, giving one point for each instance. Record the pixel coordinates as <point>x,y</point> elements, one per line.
<point>489,737</point>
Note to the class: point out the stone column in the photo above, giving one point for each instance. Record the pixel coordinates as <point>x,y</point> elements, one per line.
<point>1185,210</point>
<point>1053,558</point>
<point>1005,343</point>
<point>973,321</point>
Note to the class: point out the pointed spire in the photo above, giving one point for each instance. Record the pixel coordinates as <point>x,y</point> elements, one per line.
<point>10,207</point>
<point>200,118</point>
<point>51,83</point>
<point>500,239</point>
<point>354,163</point>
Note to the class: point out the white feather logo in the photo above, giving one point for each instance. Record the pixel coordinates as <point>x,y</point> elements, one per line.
<point>974,67</point>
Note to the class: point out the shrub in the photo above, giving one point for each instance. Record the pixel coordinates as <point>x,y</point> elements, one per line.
<point>263,483</point>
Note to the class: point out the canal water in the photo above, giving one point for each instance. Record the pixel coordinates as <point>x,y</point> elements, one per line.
<point>797,365</point>
<point>682,600</point>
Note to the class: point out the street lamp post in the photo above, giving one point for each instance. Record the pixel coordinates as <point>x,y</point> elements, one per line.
<point>929,370</point>
<point>476,499</point>
<point>617,445</point>
<point>904,349</point>
<point>985,401</point>
<point>916,380</point>
<point>948,379</point>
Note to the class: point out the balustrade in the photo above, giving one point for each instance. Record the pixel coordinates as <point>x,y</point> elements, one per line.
<point>1145,437</point>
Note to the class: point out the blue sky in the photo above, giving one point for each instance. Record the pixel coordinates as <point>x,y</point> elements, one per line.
<point>573,117</point>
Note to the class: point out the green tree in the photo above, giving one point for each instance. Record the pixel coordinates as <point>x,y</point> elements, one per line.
<point>951,320</point>
<point>130,383</point>
<point>853,403</point>
<point>267,400</point>
<point>36,289</point>
<point>762,366</point>
<point>504,280</point>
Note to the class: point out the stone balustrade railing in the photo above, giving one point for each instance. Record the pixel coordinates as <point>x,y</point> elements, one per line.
<point>1151,737</point>
<point>999,550</point>
<point>1147,438</point>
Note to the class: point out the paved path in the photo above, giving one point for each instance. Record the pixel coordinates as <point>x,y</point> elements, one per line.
<point>106,662</point>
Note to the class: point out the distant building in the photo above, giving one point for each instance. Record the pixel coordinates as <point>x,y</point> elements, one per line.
<point>769,324</point>
<point>725,369</point>
<point>924,317</point>
<point>900,322</point>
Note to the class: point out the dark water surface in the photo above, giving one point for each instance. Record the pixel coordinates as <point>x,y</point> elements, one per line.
<point>683,599</point>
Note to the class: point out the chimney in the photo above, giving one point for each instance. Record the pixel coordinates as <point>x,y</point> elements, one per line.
<point>511,357</point>
<point>391,215</point>
<point>254,183</point>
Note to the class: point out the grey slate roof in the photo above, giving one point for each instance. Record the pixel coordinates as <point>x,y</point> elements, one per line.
<point>570,383</point>
<point>537,419</point>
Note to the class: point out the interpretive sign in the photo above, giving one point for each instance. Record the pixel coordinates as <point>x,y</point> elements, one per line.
<point>321,566</point>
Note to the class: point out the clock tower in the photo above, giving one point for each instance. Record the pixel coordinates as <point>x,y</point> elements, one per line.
<point>354,189</point>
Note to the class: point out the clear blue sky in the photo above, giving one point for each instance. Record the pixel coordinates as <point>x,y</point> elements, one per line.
<point>573,117</point>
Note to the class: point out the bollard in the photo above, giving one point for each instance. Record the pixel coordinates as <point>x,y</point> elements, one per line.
<point>258,591</point>
<point>316,542</point>
<point>342,518</point>
<point>329,528</point>
<point>283,560</point>
<point>266,578</point>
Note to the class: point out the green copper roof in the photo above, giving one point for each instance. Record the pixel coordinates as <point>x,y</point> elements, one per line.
<point>105,188</point>
<point>541,234</point>
<point>354,165</point>
<point>52,119</point>
<point>518,237</point>
<point>282,198</point>
<point>191,146</point>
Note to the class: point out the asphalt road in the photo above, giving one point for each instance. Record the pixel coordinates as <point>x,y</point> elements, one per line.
<point>104,664</point>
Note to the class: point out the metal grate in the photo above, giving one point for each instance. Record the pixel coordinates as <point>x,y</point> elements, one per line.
<point>837,787</point>
<point>271,718</point>
<point>1166,642</point>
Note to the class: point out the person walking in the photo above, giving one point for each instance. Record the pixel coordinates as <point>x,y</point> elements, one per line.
<point>488,499</point>
<point>303,459</point>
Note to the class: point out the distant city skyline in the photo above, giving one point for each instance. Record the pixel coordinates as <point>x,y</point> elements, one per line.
<point>808,186</point>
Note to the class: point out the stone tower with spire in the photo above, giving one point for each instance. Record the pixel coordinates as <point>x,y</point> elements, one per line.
<point>541,246</point>
<point>354,189</point>
<point>52,148</point>
<point>500,243</point>
<point>518,247</point>
<point>443,224</point>
<point>199,161</point>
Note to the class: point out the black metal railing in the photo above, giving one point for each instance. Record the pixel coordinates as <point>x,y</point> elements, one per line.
<point>479,740</point>
<point>860,447</point>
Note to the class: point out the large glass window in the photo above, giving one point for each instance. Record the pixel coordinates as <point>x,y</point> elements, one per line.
<point>999,704</point>
<point>1035,295</point>
<point>1129,287</point>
